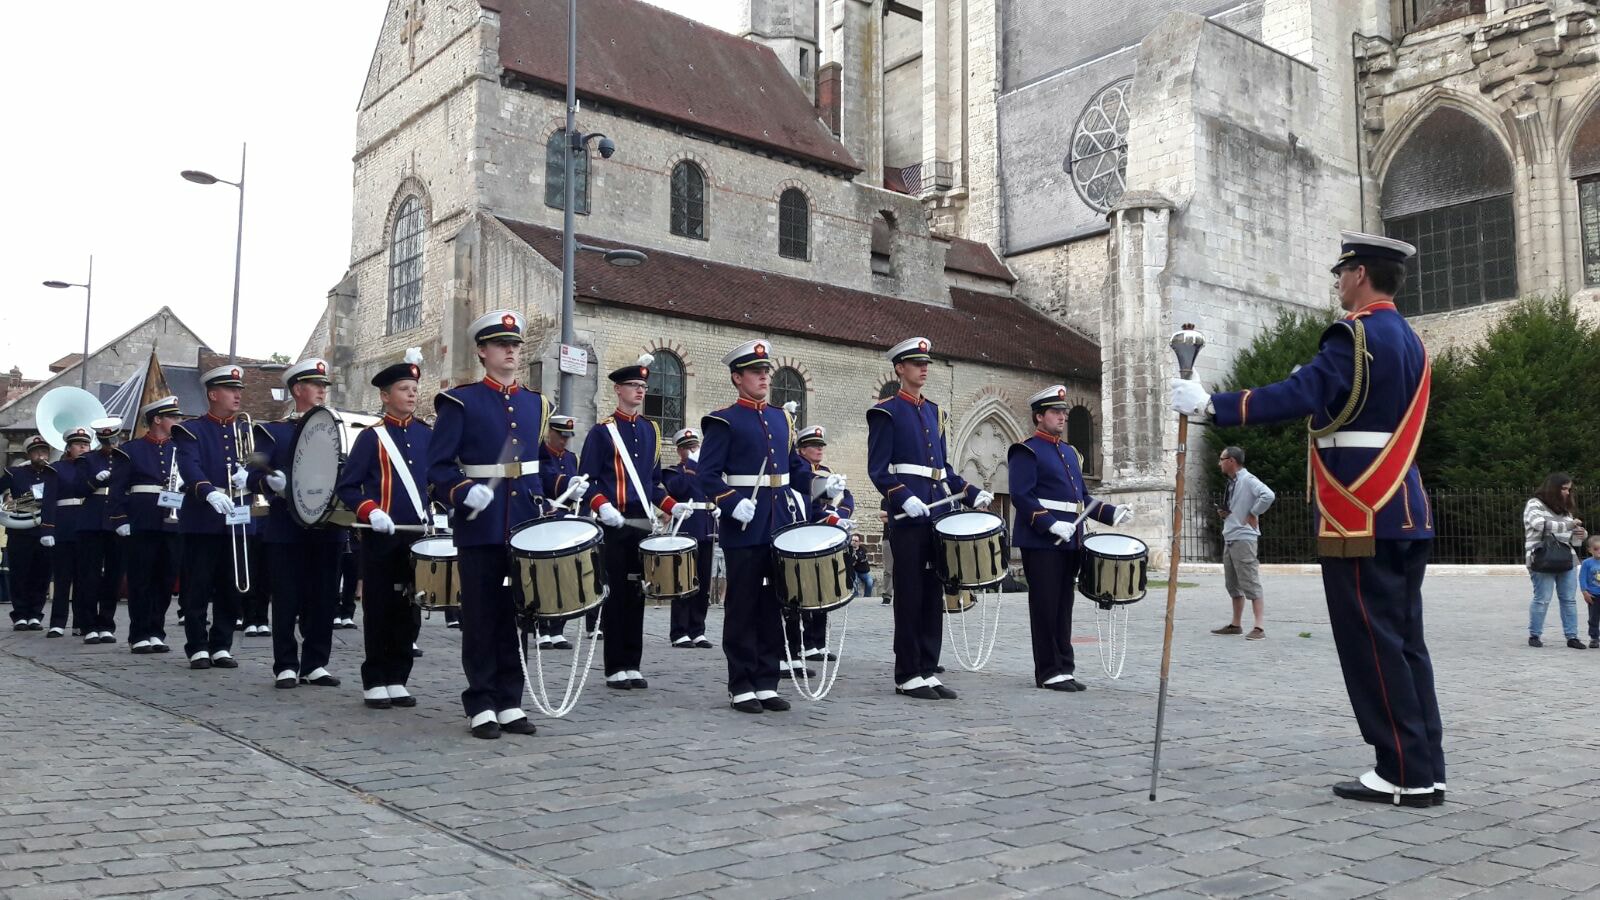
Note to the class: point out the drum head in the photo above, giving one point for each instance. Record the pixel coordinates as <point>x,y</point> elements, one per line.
<point>969,524</point>
<point>667,543</point>
<point>807,540</point>
<point>318,455</point>
<point>551,537</point>
<point>435,547</point>
<point>1115,546</point>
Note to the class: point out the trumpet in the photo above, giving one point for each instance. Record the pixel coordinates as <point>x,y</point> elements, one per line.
<point>172,487</point>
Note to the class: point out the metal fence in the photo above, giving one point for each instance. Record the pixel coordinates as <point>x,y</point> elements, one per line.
<point>1471,527</point>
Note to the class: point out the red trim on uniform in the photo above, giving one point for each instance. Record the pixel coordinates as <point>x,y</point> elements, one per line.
<point>598,501</point>
<point>619,414</point>
<point>364,511</point>
<point>751,404</point>
<point>832,520</point>
<point>385,481</point>
<point>916,401</point>
<point>151,437</point>
<point>511,388</point>
<point>465,482</point>
<point>667,504</point>
<point>554,452</point>
<point>1047,437</point>
<point>1370,308</point>
<point>227,421</point>
<point>622,477</point>
<point>391,420</point>
<point>1383,688</point>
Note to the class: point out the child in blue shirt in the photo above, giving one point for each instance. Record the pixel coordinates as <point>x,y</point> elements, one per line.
<point>1589,583</point>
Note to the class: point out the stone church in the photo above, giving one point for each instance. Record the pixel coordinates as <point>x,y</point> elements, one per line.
<point>741,170</point>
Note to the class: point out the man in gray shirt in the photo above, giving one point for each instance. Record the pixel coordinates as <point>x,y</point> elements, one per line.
<point>1242,507</point>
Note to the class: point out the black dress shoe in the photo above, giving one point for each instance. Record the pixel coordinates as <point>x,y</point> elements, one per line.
<point>1063,686</point>
<point>519,726</point>
<point>405,702</point>
<point>819,656</point>
<point>377,703</point>
<point>226,662</point>
<point>1355,790</point>
<point>140,650</point>
<point>944,692</point>
<point>20,626</point>
<point>199,663</point>
<point>704,644</point>
<point>283,684</point>
<point>35,626</point>
<point>624,685</point>
<point>54,632</point>
<point>160,648</point>
<point>1077,685</point>
<point>322,681</point>
<point>775,704</point>
<point>921,693</point>
<point>561,643</point>
<point>638,684</point>
<point>488,731</point>
<point>1438,797</point>
<point>938,670</point>
<point>416,652</point>
<point>748,706</point>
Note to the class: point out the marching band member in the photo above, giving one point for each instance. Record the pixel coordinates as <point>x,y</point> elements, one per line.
<point>483,464</point>
<point>26,551</point>
<point>97,540</point>
<point>146,469</point>
<point>624,490</point>
<point>688,627</point>
<point>214,474</point>
<point>63,519</point>
<point>908,462</point>
<point>303,562</point>
<point>558,465</point>
<point>832,504</point>
<point>1375,528</point>
<point>1052,503</point>
<point>748,467</point>
<point>383,481</point>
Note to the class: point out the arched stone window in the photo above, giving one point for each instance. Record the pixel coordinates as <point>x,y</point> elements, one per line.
<point>1584,166</point>
<point>688,201</point>
<point>794,224</point>
<point>406,239</point>
<point>788,384</point>
<point>663,403</point>
<point>888,389</point>
<point>1080,434</point>
<point>883,244</point>
<point>1449,192</point>
<point>555,175</point>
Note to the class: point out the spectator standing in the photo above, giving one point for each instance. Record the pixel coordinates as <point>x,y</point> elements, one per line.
<point>1550,511</point>
<point>1245,501</point>
<point>1589,583</point>
<point>861,567</point>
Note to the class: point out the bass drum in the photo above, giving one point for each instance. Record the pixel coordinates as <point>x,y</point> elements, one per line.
<point>314,467</point>
<point>811,569</point>
<point>557,570</point>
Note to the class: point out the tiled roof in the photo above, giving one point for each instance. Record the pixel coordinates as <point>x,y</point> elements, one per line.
<point>640,56</point>
<point>978,327</point>
<point>976,258</point>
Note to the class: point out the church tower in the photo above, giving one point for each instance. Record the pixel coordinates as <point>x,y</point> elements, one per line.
<point>789,27</point>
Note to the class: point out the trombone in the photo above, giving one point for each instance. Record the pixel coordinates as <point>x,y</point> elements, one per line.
<point>244,444</point>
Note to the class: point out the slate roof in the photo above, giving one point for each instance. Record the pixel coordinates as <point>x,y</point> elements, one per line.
<point>643,57</point>
<point>978,327</point>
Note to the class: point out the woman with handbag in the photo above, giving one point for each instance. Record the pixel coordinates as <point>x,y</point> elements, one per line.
<point>1551,531</point>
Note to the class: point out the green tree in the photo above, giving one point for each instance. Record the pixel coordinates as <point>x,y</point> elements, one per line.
<point>281,358</point>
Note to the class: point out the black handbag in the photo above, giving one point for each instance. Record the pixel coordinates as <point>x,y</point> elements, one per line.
<point>1551,555</point>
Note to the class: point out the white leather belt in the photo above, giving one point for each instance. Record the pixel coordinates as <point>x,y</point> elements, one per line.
<point>774,481</point>
<point>1364,440</point>
<point>75,501</point>
<point>145,489</point>
<point>920,471</point>
<point>706,507</point>
<point>502,470</point>
<point>102,492</point>
<point>1062,506</point>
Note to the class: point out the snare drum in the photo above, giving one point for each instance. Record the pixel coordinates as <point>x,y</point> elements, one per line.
<point>1113,569</point>
<point>972,550</point>
<point>669,566</point>
<point>433,571</point>
<point>558,570</point>
<point>810,565</point>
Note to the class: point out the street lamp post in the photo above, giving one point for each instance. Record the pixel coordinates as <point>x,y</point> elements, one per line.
<point>238,241</point>
<point>88,300</point>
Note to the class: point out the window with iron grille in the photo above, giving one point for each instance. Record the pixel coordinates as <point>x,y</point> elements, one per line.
<point>1418,14</point>
<point>1080,434</point>
<point>1589,223</point>
<point>405,265</point>
<point>1466,256</point>
<point>788,384</point>
<point>663,402</point>
<point>555,174</point>
<point>794,224</point>
<point>688,200</point>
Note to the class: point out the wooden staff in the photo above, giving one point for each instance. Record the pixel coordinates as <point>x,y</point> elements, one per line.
<point>1186,346</point>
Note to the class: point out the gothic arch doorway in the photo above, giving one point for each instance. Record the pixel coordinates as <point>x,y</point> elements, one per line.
<point>985,435</point>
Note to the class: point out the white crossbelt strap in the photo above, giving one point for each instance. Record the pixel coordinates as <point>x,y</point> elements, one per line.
<point>773,481</point>
<point>401,469</point>
<point>1061,506</point>
<point>1363,440</point>
<point>621,449</point>
<point>921,471</point>
<point>76,501</point>
<point>146,488</point>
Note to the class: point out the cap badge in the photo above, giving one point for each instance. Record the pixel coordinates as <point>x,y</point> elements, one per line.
<point>644,372</point>
<point>923,346</point>
<point>508,320</point>
<point>414,372</point>
<point>761,350</point>
<point>1061,393</point>
<point>235,373</point>
<point>322,368</point>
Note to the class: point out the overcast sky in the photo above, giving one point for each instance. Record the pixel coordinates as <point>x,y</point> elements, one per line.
<point>108,101</point>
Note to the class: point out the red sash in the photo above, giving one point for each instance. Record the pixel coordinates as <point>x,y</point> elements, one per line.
<point>1348,513</point>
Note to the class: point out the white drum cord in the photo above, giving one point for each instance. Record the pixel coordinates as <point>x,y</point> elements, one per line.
<point>1111,633</point>
<point>576,680</point>
<point>828,673</point>
<point>974,658</point>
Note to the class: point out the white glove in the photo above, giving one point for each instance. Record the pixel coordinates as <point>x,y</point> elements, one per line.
<point>610,516</point>
<point>577,485</point>
<point>241,477</point>
<point>834,486</point>
<point>478,496</point>
<point>1064,531</point>
<point>745,511</point>
<point>219,502</point>
<point>846,524</point>
<point>914,508</point>
<point>47,541</point>
<point>103,476</point>
<point>1123,514</point>
<point>277,482</point>
<point>124,530</point>
<point>380,521</point>
<point>680,511</point>
<point>1189,398</point>
<point>716,512</point>
<point>983,500</point>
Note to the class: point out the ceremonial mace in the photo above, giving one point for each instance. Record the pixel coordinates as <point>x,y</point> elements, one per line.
<point>1186,346</point>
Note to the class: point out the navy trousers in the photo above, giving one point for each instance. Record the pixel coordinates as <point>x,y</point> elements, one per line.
<point>30,573</point>
<point>208,586</point>
<point>1052,575</point>
<point>152,565</point>
<point>490,652</point>
<point>305,585</point>
<point>389,619</point>
<point>622,615</point>
<point>918,602</point>
<point>752,624</point>
<point>1375,608</point>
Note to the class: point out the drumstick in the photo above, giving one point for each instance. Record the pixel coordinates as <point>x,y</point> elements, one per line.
<point>1186,346</point>
<point>420,529</point>
<point>935,504</point>
<point>494,483</point>
<point>757,489</point>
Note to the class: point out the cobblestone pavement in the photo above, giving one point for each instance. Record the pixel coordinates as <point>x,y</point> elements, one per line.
<point>133,775</point>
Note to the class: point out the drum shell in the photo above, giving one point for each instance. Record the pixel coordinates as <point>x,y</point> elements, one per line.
<point>669,574</point>
<point>972,561</point>
<point>557,585</point>
<point>1113,579</point>
<point>436,578</point>
<point>812,580</point>
<point>960,601</point>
